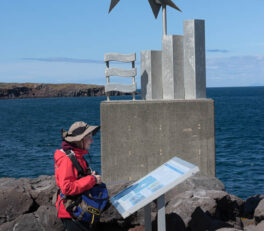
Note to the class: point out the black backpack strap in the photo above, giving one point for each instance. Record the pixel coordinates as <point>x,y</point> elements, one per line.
<point>75,163</point>
<point>88,169</point>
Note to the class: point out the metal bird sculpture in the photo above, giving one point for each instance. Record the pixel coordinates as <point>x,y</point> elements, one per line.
<point>155,6</point>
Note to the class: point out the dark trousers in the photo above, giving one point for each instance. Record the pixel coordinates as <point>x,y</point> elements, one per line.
<point>73,225</point>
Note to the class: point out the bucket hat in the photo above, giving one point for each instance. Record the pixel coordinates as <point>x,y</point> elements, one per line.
<point>78,131</point>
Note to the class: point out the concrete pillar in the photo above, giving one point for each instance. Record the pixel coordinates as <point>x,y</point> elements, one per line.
<point>139,136</point>
<point>194,59</point>
<point>172,67</point>
<point>151,77</point>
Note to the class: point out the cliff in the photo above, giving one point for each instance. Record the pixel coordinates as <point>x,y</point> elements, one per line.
<point>38,90</point>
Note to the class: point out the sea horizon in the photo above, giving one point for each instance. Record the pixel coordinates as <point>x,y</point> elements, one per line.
<point>30,133</point>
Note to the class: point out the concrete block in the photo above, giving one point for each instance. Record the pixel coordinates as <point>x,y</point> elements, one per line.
<point>138,136</point>
<point>172,67</point>
<point>194,59</point>
<point>151,76</point>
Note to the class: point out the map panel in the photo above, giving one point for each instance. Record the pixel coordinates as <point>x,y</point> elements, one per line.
<point>153,185</point>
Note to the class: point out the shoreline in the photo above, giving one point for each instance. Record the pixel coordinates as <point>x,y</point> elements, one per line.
<point>41,90</point>
<point>32,90</point>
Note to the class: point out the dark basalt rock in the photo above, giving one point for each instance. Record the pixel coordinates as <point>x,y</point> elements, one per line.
<point>259,212</point>
<point>198,204</point>
<point>14,202</point>
<point>251,204</point>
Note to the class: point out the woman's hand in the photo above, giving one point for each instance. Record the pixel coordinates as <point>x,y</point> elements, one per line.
<point>98,177</point>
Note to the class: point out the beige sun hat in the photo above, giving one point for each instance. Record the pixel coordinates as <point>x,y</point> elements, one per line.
<point>78,131</point>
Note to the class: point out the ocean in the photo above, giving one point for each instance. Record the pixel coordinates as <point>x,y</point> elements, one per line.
<point>30,133</point>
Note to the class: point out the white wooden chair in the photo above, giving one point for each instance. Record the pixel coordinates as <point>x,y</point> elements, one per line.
<point>126,88</point>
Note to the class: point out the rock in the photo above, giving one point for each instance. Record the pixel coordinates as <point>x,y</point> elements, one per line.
<point>260,226</point>
<point>8,183</point>
<point>251,204</point>
<point>202,221</point>
<point>194,205</point>
<point>250,228</point>
<point>228,229</point>
<point>172,220</point>
<point>24,195</point>
<point>14,202</point>
<point>259,212</point>
<point>186,203</point>
<point>197,182</point>
<point>42,189</point>
<point>229,207</point>
<point>43,219</point>
<point>24,222</point>
<point>47,218</point>
<point>208,209</point>
<point>237,223</point>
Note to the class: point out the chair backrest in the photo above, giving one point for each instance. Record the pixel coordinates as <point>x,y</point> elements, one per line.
<point>126,88</point>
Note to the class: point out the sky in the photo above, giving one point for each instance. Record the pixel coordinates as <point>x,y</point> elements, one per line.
<point>64,41</point>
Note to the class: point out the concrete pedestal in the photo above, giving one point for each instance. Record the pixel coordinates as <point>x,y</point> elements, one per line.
<point>138,136</point>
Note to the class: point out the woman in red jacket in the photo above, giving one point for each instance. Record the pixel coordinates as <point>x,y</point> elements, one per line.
<point>77,140</point>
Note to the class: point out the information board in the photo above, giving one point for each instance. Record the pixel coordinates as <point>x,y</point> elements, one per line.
<point>153,185</point>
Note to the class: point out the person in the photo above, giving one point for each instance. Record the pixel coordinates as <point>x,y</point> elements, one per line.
<point>77,140</point>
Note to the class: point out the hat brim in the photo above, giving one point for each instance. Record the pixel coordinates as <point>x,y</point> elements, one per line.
<point>90,129</point>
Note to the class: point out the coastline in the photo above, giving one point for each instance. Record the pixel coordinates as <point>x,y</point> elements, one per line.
<point>41,90</point>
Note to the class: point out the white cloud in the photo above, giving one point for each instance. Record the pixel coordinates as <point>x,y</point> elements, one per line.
<point>65,60</point>
<point>57,70</point>
<point>221,72</point>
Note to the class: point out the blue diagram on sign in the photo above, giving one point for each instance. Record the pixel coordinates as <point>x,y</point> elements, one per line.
<point>152,185</point>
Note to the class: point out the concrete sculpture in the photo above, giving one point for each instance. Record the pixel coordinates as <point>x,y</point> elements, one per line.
<point>178,71</point>
<point>138,136</point>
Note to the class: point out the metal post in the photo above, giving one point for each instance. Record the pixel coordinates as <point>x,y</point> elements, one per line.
<point>161,213</point>
<point>107,81</point>
<point>133,66</point>
<point>147,217</point>
<point>164,19</point>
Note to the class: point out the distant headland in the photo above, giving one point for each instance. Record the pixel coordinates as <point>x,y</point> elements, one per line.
<point>41,90</point>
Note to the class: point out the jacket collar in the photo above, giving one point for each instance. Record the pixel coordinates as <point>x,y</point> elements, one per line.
<point>78,152</point>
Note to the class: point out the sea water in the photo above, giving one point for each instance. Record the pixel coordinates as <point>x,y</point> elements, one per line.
<point>30,132</point>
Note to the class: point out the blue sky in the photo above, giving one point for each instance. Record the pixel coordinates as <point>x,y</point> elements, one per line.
<point>64,41</point>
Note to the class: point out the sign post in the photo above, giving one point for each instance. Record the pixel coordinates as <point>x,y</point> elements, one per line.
<point>151,187</point>
<point>161,213</point>
<point>147,217</point>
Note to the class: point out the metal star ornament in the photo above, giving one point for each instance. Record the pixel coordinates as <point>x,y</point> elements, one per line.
<point>155,6</point>
<point>113,4</point>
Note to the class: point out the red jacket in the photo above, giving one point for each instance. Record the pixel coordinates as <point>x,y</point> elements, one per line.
<point>66,177</point>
